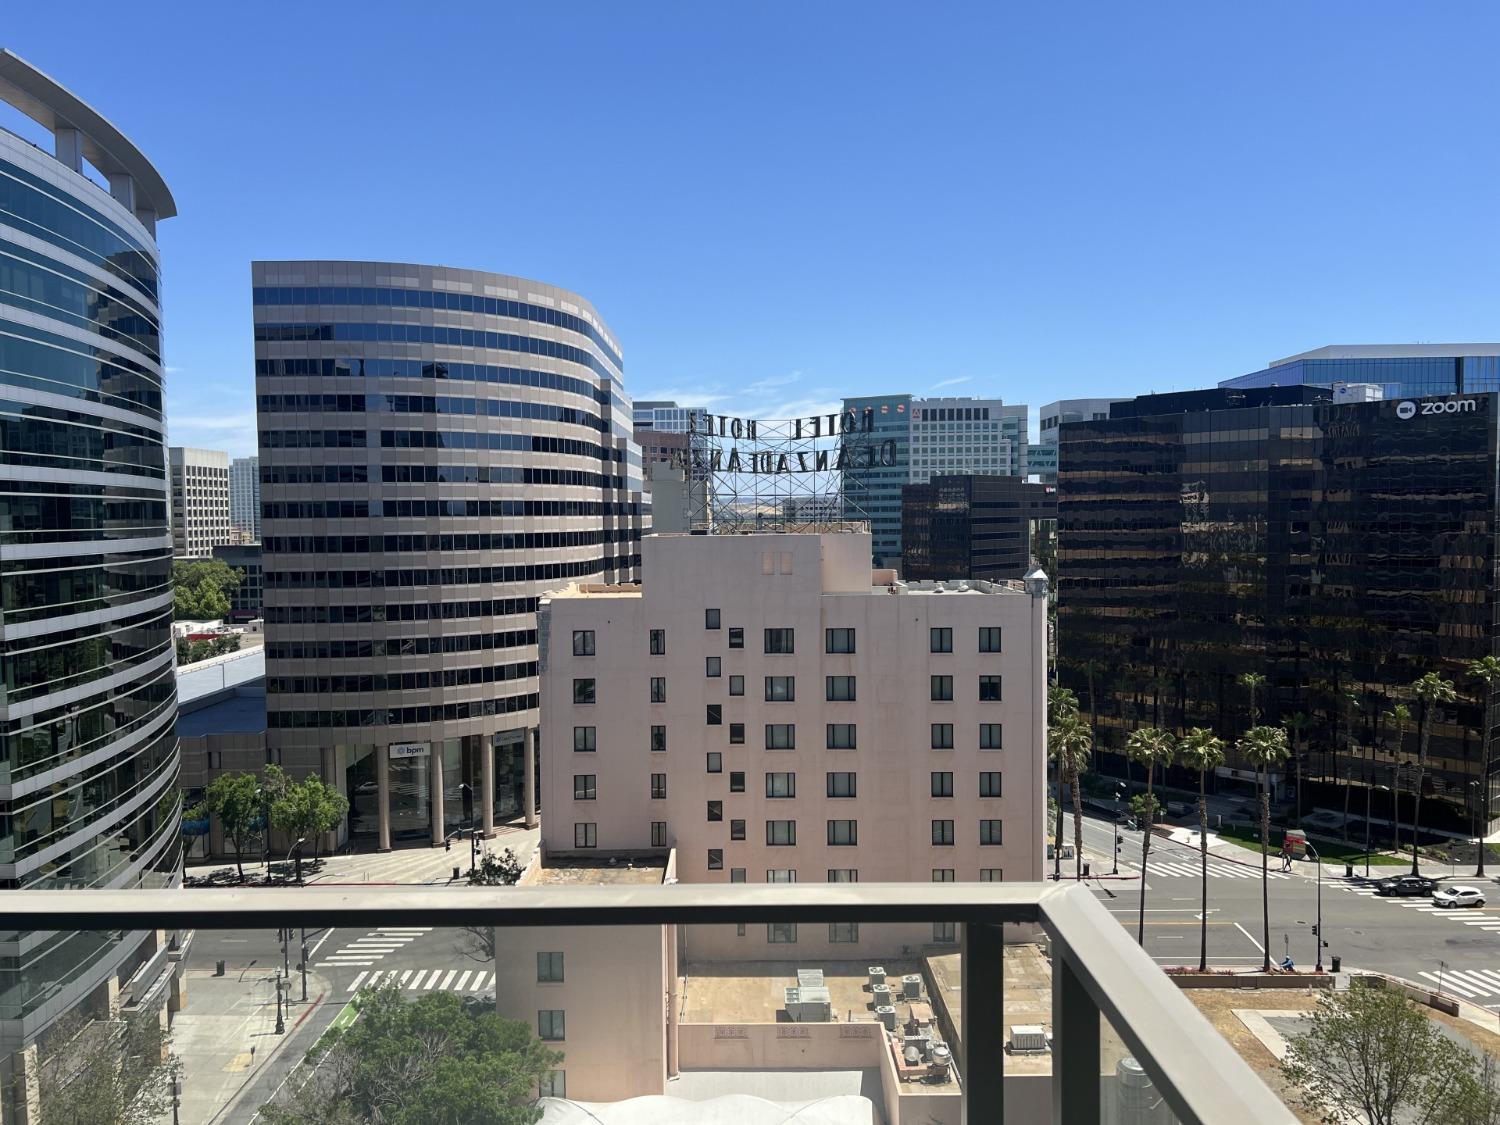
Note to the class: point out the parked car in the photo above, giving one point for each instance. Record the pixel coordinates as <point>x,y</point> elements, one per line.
<point>1406,885</point>
<point>1458,896</point>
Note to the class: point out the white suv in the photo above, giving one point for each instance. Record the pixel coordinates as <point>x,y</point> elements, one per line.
<point>1458,896</point>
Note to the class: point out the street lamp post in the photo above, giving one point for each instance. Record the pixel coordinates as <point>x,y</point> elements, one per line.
<point>1368,790</point>
<point>303,965</point>
<point>1318,925</point>
<point>1115,870</point>
<point>297,847</point>
<point>280,1019</point>
<point>1479,824</point>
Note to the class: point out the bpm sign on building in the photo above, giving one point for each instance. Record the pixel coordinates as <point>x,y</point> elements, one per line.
<point>410,750</point>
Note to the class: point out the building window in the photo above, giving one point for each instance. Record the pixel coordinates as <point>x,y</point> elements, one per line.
<point>989,689</point>
<point>841,736</point>
<point>989,832</point>
<point>658,833</point>
<point>942,736</point>
<point>585,739</point>
<point>549,968</point>
<point>942,689</point>
<point>942,784</point>
<point>989,638</point>
<point>739,927</point>
<point>737,875</point>
<point>711,667</point>
<point>991,875</point>
<point>840,688</point>
<point>989,736</point>
<point>781,833</point>
<point>716,859</point>
<point>715,762</point>
<point>658,739</point>
<point>658,787</point>
<point>658,642</point>
<point>942,833</point>
<point>583,691</point>
<point>781,785</point>
<point>710,619</point>
<point>736,685</point>
<point>781,875</point>
<point>736,638</point>
<point>945,933</point>
<point>838,640</point>
<point>736,829</point>
<point>989,783</point>
<point>713,714</point>
<point>551,1025</point>
<point>841,785</point>
<point>658,689</point>
<point>715,810</point>
<point>843,875</point>
<point>843,933</point>
<point>781,689</point>
<point>940,640</point>
<point>583,642</point>
<point>781,736</point>
<point>553,1084</point>
<point>843,833</point>
<point>781,933</point>
<point>942,874</point>
<point>736,733</point>
<point>780,641</point>
<point>736,781</point>
<point>586,835</point>
<point>584,787</point>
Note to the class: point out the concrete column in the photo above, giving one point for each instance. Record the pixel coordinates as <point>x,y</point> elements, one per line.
<point>528,787</point>
<point>21,1101</point>
<point>487,783</point>
<point>435,759</point>
<point>383,793</point>
<point>67,146</point>
<point>982,1068</point>
<point>177,999</point>
<point>104,1001</point>
<point>122,187</point>
<point>1075,1050</point>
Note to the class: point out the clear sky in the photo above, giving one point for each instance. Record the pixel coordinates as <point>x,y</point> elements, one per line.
<point>775,204</point>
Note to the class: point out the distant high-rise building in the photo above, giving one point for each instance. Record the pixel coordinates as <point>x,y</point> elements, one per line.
<point>1043,454</point>
<point>200,501</point>
<point>873,492</point>
<point>972,526</point>
<point>244,496</point>
<point>1400,370</point>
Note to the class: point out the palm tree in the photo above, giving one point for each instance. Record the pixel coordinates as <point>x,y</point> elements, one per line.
<point>1203,751</point>
<point>1064,706</point>
<point>1295,724</point>
<point>1071,746</point>
<point>1398,716</point>
<point>1253,682</point>
<point>1431,689</point>
<point>1264,748</point>
<point>1149,746</point>
<point>1487,672</point>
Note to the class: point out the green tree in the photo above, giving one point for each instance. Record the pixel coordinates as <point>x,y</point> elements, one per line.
<point>235,798</point>
<point>307,809</point>
<point>1264,748</point>
<point>1371,1055</point>
<point>1487,672</point>
<point>201,588</point>
<point>1203,751</point>
<point>431,1061</point>
<point>1063,707</point>
<point>493,871</point>
<point>105,1072</point>
<point>1072,746</point>
<point>1430,690</point>
<point>1150,746</point>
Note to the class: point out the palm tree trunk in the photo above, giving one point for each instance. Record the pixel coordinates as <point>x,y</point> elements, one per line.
<point>1416,815</point>
<point>1058,829</point>
<point>1140,928</point>
<point>1077,826</point>
<point>1265,898</point>
<point>1203,853</point>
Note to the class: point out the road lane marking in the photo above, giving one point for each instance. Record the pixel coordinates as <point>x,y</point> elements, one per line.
<point>463,980</point>
<point>1247,934</point>
<point>353,987</point>
<point>449,978</point>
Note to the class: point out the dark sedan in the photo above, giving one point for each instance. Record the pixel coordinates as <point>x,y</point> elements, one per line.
<point>1406,885</point>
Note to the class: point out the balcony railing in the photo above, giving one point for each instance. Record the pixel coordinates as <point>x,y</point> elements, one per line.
<point>1096,968</point>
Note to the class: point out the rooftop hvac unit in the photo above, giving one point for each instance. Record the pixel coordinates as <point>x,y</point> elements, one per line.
<point>942,1062</point>
<point>886,1015</point>
<point>808,1005</point>
<point>810,978</point>
<point>1028,1039</point>
<point>881,994</point>
<point>877,975</point>
<point>911,986</point>
<point>912,1055</point>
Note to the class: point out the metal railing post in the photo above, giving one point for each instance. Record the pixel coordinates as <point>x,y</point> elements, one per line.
<point>1075,1048</point>
<point>982,1068</point>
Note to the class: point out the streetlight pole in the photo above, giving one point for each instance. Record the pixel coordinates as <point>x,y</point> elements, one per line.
<point>286,967</point>
<point>280,1019</point>
<point>303,966</point>
<point>1318,925</point>
<point>1115,870</point>
<point>1480,820</point>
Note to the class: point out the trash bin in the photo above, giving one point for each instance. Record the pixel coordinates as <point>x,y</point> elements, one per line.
<point>1348,871</point>
<point>218,968</point>
<point>1336,961</point>
<point>1085,871</point>
<point>455,874</point>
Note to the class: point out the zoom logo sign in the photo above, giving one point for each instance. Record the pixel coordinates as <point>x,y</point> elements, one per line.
<point>1409,409</point>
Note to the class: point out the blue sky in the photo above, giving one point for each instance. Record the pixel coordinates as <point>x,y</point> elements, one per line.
<point>775,204</point>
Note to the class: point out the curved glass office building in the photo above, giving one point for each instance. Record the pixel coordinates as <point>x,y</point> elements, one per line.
<point>438,447</point>
<point>88,776</point>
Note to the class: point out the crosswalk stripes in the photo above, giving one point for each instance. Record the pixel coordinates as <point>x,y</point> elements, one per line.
<point>1468,983</point>
<point>1215,870</point>
<point>426,980</point>
<point>365,951</point>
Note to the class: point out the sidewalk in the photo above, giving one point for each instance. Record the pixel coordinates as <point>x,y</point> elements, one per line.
<point>1250,857</point>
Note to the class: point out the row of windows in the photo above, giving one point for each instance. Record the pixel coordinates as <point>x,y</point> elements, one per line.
<point>780,641</point>
<point>840,784</point>
<point>63,366</point>
<point>398,716</point>
<point>779,736</point>
<point>426,404</point>
<point>406,646</point>
<point>470,541</point>
<point>435,474</point>
<point>47,287</point>
<point>433,299</point>
<point>441,509</point>
<point>783,689</point>
<point>535,573</point>
<point>380,367</point>
<point>783,833</point>
<point>395,611</point>
<point>401,681</point>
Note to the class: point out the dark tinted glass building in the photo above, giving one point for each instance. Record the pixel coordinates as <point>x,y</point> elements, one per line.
<point>971,526</point>
<point>1342,550</point>
<point>1399,370</point>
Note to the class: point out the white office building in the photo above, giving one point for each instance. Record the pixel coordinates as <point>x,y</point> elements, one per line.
<point>200,501</point>
<point>244,497</point>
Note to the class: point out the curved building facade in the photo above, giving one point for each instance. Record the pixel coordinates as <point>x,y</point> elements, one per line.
<point>89,769</point>
<point>438,448</point>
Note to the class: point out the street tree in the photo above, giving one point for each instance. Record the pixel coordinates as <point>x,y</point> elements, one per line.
<point>234,798</point>
<point>1371,1055</point>
<point>502,870</point>
<point>1150,746</point>
<point>105,1072</point>
<point>1487,672</point>
<point>1264,748</point>
<point>1430,691</point>
<point>308,809</point>
<point>1062,706</point>
<point>431,1061</point>
<point>201,588</point>
<point>1091,670</point>
<point>1071,747</point>
<point>1202,750</point>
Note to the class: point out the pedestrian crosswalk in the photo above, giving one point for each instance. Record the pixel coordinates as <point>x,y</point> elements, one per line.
<point>426,980</point>
<point>373,946</point>
<point>1471,984</point>
<point>1215,871</point>
<point>1474,919</point>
